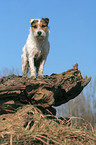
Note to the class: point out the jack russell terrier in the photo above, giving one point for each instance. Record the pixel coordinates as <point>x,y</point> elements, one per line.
<point>36,48</point>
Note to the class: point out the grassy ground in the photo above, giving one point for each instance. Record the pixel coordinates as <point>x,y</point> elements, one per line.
<point>30,126</point>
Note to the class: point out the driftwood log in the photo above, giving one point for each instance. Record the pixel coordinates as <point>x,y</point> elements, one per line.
<point>54,90</point>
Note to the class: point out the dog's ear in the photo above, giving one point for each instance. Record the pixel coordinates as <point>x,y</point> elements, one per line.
<point>46,20</point>
<point>31,20</point>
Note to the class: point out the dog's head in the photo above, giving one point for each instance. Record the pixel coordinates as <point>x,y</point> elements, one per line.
<point>39,27</point>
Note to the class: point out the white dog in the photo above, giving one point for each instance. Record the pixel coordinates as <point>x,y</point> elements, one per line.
<point>36,48</point>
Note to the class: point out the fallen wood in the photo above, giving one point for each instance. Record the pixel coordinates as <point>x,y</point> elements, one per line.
<point>54,90</point>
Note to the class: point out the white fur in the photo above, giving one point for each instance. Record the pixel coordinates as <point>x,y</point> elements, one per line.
<point>35,48</point>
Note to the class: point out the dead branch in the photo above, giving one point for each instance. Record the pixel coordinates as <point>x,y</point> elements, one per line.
<point>50,91</point>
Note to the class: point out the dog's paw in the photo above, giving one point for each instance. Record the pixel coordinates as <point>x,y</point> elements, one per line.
<point>40,77</point>
<point>33,77</point>
<point>25,76</point>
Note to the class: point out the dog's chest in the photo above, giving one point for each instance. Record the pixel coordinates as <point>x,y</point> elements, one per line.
<point>40,49</point>
<point>38,54</point>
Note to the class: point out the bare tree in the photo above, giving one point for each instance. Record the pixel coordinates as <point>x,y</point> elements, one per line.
<point>83,106</point>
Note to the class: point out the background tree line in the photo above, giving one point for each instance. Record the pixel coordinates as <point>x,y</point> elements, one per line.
<point>82,106</point>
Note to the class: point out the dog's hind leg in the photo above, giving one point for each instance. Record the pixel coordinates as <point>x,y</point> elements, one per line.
<point>25,64</point>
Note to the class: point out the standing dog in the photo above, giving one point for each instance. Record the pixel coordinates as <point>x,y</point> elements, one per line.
<point>36,48</point>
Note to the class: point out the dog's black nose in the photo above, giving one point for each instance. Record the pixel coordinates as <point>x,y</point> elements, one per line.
<point>39,33</point>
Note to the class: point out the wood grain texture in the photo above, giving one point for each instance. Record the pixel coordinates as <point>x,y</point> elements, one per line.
<point>53,90</point>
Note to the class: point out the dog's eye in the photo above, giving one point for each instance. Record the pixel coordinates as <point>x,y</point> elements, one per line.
<point>34,26</point>
<point>43,26</point>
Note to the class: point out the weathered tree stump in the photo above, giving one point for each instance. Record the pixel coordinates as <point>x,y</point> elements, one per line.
<point>54,90</point>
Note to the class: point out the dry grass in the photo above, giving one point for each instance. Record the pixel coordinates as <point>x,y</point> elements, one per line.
<point>30,126</point>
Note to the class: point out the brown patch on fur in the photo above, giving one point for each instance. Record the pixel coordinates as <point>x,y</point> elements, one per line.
<point>43,26</point>
<point>45,20</point>
<point>34,25</point>
<point>34,21</point>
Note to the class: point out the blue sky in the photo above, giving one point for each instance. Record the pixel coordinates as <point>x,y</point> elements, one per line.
<point>72,33</point>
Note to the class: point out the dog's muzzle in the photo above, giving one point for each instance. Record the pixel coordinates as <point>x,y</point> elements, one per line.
<point>39,33</point>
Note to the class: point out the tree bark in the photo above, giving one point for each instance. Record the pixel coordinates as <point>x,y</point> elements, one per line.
<point>49,91</point>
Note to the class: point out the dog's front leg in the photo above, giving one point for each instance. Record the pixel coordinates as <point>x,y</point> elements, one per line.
<point>32,67</point>
<point>41,68</point>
